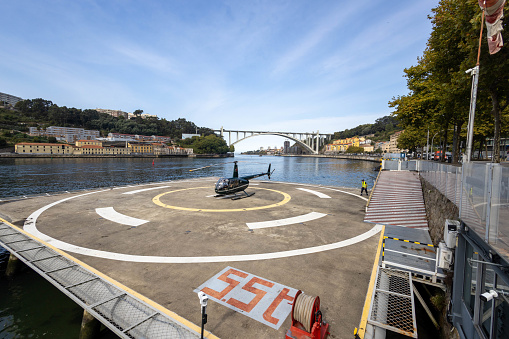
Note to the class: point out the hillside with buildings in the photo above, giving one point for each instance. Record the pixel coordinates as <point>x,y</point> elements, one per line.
<point>41,127</point>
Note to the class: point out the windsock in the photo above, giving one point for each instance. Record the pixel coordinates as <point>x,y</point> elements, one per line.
<point>494,14</point>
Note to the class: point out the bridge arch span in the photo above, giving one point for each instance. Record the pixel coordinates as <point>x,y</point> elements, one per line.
<point>300,143</point>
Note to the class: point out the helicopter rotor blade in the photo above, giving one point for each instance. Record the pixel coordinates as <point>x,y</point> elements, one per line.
<point>215,165</point>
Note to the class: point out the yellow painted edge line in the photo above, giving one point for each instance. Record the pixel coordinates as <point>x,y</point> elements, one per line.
<point>156,200</point>
<point>139,296</point>
<point>364,318</point>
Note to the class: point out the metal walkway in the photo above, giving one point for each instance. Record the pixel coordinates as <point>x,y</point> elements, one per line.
<point>397,200</point>
<point>120,311</point>
<point>392,304</point>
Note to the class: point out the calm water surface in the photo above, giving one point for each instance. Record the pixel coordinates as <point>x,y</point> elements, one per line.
<point>30,307</point>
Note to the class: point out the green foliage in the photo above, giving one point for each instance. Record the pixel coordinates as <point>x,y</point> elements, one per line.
<point>439,88</point>
<point>354,149</point>
<point>39,112</point>
<point>381,129</point>
<point>411,139</point>
<point>210,144</point>
<point>3,142</point>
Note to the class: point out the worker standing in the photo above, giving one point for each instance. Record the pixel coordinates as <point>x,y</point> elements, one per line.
<point>364,187</point>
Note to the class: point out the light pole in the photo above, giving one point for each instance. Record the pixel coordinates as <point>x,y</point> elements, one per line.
<point>432,139</point>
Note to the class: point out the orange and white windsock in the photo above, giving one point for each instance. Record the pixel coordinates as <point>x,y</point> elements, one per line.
<point>494,14</point>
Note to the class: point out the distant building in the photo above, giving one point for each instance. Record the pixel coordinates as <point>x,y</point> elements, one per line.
<point>42,148</point>
<point>140,148</point>
<point>80,143</point>
<point>67,134</point>
<point>146,115</point>
<point>142,115</point>
<point>393,143</point>
<point>10,99</point>
<point>286,147</point>
<point>113,112</point>
<point>137,137</point>
<point>367,148</point>
<point>189,136</point>
<point>341,145</point>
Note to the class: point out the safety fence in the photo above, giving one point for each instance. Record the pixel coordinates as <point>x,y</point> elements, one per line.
<point>117,308</point>
<point>479,190</point>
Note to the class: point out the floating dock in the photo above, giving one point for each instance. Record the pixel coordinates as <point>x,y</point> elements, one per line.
<point>162,243</point>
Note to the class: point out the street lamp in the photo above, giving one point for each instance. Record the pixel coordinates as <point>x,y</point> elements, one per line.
<point>432,139</point>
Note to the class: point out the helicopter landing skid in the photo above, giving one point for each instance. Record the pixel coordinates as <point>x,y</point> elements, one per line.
<point>247,195</point>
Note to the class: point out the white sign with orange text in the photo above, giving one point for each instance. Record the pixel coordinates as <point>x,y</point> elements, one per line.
<point>263,300</point>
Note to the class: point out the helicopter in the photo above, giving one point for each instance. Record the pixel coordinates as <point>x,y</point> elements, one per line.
<point>227,186</point>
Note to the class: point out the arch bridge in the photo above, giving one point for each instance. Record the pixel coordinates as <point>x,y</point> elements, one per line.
<point>309,141</point>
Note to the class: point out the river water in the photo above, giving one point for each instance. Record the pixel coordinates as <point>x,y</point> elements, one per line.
<point>30,307</point>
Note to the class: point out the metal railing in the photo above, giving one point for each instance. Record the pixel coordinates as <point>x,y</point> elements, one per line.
<point>116,307</point>
<point>479,190</point>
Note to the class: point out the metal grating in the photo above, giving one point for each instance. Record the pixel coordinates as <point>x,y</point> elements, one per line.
<point>392,305</point>
<point>124,314</point>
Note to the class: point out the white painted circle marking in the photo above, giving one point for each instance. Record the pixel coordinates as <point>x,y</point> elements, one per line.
<point>30,227</point>
<point>110,214</point>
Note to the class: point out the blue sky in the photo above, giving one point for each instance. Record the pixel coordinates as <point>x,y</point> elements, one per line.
<point>296,66</point>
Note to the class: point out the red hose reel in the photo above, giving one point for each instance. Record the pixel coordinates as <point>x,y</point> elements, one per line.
<point>307,320</point>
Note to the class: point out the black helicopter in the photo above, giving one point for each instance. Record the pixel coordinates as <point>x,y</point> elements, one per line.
<point>228,186</point>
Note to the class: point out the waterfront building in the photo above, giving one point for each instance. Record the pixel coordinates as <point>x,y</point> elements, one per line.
<point>115,150</point>
<point>88,150</point>
<point>341,145</point>
<point>140,148</point>
<point>67,134</point>
<point>9,99</point>
<point>137,137</point>
<point>175,150</point>
<point>42,148</point>
<point>81,143</point>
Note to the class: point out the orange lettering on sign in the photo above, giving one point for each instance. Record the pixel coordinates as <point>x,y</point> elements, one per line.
<point>231,284</point>
<point>267,315</point>
<point>249,287</point>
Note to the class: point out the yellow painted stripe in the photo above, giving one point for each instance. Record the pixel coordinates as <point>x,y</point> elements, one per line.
<point>139,296</point>
<point>409,241</point>
<point>157,201</point>
<point>364,318</point>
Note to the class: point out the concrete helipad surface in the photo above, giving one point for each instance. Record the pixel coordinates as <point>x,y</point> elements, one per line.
<point>167,241</point>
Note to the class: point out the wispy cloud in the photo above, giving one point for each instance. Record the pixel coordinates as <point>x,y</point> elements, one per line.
<point>339,15</point>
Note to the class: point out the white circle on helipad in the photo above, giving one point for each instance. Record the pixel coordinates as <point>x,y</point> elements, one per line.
<point>30,227</point>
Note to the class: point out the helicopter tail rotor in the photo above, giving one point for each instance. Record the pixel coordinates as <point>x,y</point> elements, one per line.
<point>269,173</point>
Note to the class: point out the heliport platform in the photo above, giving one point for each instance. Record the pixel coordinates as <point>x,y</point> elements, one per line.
<point>167,241</point>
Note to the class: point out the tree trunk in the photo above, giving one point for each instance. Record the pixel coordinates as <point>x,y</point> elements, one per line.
<point>444,145</point>
<point>496,115</point>
<point>456,139</point>
<point>480,148</point>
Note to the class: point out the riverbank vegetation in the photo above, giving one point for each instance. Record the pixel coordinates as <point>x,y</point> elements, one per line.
<point>380,130</point>
<point>210,144</point>
<point>43,113</point>
<point>439,87</point>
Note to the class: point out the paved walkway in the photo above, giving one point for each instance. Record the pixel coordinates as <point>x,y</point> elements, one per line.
<point>397,200</point>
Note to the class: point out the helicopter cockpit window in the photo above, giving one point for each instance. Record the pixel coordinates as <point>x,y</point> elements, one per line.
<point>222,184</point>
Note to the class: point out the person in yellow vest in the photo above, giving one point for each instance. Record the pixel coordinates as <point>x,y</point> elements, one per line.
<point>364,187</point>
